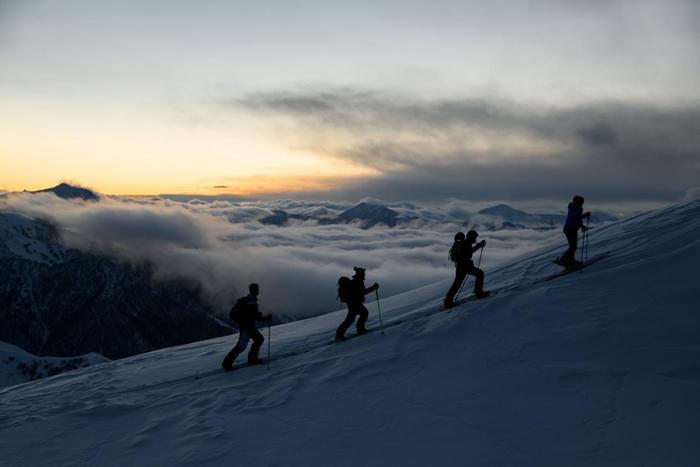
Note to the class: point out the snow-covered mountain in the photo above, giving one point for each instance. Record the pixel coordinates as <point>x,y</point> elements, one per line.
<point>510,214</point>
<point>596,367</point>
<point>18,366</point>
<point>367,215</point>
<point>370,215</point>
<point>278,217</point>
<point>515,218</point>
<point>65,302</point>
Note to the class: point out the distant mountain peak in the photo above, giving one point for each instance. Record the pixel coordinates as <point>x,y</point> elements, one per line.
<point>508,213</point>
<point>370,214</point>
<point>501,209</point>
<point>516,217</point>
<point>278,217</point>
<point>66,191</point>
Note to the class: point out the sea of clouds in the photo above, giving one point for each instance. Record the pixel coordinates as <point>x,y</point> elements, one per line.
<point>221,245</point>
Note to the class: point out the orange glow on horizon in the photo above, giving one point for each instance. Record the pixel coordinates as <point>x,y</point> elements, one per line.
<point>143,154</point>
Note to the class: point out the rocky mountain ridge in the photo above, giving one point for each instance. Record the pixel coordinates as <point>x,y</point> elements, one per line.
<point>64,302</point>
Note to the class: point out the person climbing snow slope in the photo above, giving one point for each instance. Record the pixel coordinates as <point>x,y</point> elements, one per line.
<point>245,312</point>
<point>574,222</point>
<point>461,254</point>
<point>352,292</point>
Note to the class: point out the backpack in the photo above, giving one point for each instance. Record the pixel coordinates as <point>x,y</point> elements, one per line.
<point>237,310</point>
<point>456,251</point>
<point>344,289</point>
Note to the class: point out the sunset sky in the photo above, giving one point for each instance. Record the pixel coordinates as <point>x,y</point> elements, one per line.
<point>436,99</point>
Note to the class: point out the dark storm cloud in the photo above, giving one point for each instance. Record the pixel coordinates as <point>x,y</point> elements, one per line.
<point>494,149</point>
<point>600,134</point>
<point>519,183</point>
<point>356,109</point>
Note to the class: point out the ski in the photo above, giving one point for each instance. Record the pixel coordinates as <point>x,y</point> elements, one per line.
<point>237,366</point>
<point>353,336</point>
<point>473,298</point>
<point>585,264</point>
<point>508,288</point>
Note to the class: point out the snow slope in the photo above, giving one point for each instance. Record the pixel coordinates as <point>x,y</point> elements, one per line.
<point>597,367</point>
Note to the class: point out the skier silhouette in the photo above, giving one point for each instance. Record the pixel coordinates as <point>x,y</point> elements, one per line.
<point>574,222</point>
<point>353,293</point>
<point>245,312</point>
<point>461,254</point>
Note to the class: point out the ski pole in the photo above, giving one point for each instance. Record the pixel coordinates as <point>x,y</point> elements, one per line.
<point>588,232</point>
<point>460,287</point>
<point>379,309</point>
<point>584,243</point>
<point>268,344</point>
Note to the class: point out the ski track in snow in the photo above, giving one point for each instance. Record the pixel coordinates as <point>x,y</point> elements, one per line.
<point>597,367</point>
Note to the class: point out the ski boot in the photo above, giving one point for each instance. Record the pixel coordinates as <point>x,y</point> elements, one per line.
<point>481,293</point>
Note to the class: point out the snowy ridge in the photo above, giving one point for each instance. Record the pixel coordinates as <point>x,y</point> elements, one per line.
<point>59,301</point>
<point>18,366</point>
<point>597,367</point>
<point>31,239</point>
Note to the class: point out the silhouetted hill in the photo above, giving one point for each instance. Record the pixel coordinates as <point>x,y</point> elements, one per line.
<point>67,191</point>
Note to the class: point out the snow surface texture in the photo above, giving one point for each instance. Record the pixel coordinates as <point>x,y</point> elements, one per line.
<point>597,367</point>
<point>30,239</point>
<point>18,366</point>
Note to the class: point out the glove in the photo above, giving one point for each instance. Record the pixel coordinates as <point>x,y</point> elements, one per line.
<point>483,243</point>
<point>584,228</point>
<point>375,286</point>
<point>588,214</point>
<point>267,319</point>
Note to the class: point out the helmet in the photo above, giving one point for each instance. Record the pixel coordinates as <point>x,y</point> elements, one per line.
<point>578,199</point>
<point>459,236</point>
<point>472,234</point>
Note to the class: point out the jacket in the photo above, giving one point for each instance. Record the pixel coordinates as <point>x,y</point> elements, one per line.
<point>574,220</point>
<point>358,291</point>
<point>249,312</point>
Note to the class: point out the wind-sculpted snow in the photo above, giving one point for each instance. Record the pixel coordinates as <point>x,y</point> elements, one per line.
<point>597,367</point>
